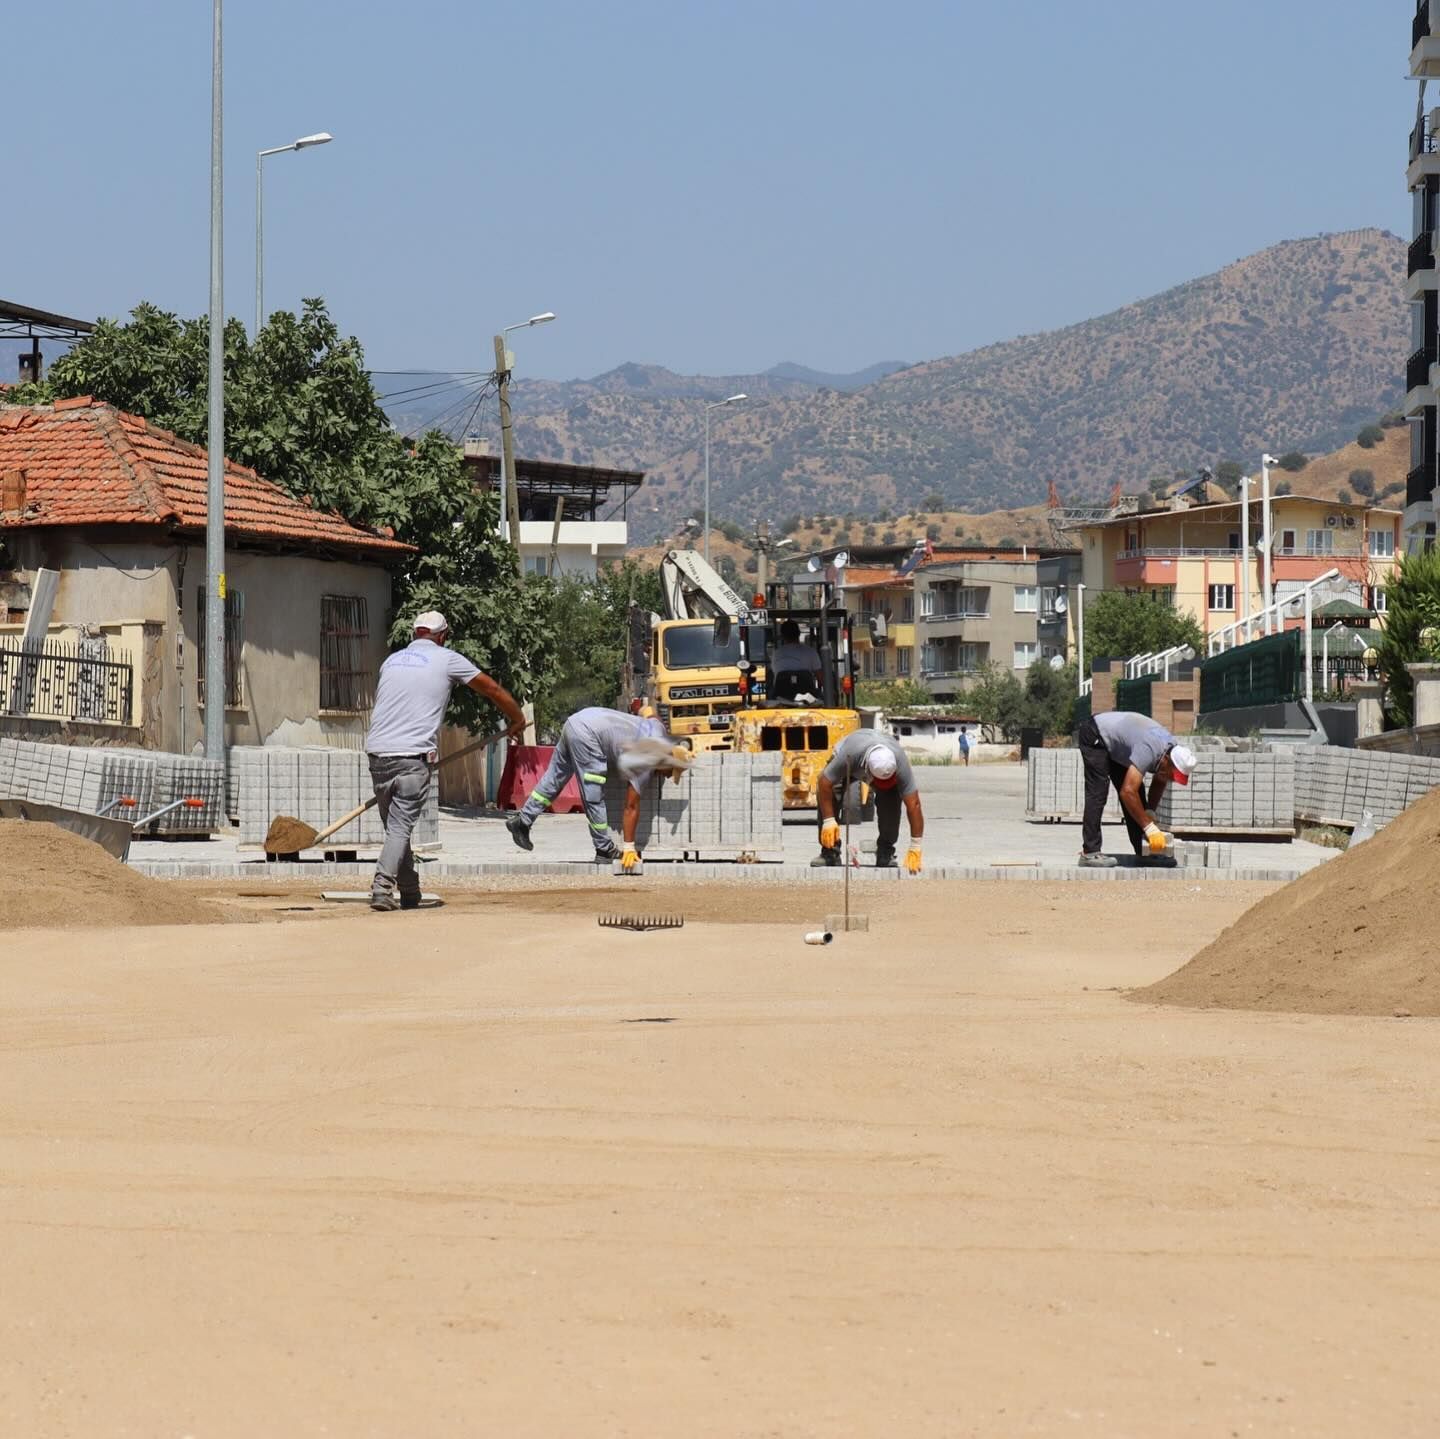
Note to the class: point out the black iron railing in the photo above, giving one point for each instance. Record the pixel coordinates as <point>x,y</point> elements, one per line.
<point>1417,367</point>
<point>1422,141</point>
<point>1421,28</point>
<point>1422,253</point>
<point>54,680</point>
<point>1418,484</point>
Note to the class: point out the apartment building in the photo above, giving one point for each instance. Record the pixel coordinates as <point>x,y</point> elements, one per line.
<point>1422,286</point>
<point>1191,556</point>
<point>881,605</point>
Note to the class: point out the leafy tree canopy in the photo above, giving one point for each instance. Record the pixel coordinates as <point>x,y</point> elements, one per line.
<point>1118,626</point>
<point>1412,598</point>
<point>1043,699</point>
<point>891,695</point>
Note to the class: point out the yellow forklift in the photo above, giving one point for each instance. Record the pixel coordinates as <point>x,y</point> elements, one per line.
<point>800,712</point>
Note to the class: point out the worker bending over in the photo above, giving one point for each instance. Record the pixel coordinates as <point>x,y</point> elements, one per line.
<point>403,744</point>
<point>1121,748</point>
<point>592,741</point>
<point>867,758</point>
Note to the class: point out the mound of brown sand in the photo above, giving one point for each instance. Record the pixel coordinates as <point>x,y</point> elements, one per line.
<point>55,879</point>
<point>1358,935</point>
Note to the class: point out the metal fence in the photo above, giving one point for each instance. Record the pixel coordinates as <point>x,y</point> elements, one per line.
<point>1266,671</point>
<point>55,680</point>
<point>1135,695</point>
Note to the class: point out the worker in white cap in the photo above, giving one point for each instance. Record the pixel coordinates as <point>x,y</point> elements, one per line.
<point>867,758</point>
<point>591,742</point>
<point>410,700</point>
<point>1120,748</point>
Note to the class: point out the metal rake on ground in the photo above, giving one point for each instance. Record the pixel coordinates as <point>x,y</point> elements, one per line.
<point>641,922</point>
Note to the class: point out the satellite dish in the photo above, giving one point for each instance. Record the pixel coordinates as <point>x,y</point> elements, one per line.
<point>813,565</point>
<point>1061,604</point>
<point>1057,662</point>
<point>841,560</point>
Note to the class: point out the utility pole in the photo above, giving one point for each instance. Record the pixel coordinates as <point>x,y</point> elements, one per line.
<point>1245,557</point>
<point>762,560</point>
<point>215,435</point>
<point>507,450</point>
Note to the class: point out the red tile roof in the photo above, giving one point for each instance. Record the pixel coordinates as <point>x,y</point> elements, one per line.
<point>87,463</point>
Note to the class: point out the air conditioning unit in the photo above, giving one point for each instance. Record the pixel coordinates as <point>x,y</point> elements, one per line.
<point>1349,522</point>
<point>1331,521</point>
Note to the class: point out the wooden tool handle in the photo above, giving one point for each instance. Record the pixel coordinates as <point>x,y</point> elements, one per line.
<point>484,742</point>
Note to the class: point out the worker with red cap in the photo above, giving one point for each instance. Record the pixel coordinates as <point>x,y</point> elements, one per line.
<point>868,758</point>
<point>1120,748</point>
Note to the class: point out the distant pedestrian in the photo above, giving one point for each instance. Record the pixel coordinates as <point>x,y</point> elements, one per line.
<point>403,745</point>
<point>1121,748</point>
<point>964,747</point>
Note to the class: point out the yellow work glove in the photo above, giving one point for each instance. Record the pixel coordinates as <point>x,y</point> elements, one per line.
<point>1156,836</point>
<point>912,858</point>
<point>830,834</point>
<point>628,858</point>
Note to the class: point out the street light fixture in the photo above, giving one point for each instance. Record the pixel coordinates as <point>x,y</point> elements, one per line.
<point>717,405</point>
<point>504,363</point>
<point>303,143</point>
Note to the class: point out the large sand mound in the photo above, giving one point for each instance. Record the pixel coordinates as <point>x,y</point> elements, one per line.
<point>1355,936</point>
<point>55,879</point>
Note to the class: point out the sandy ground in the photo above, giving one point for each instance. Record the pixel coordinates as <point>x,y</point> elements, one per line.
<point>481,1170</point>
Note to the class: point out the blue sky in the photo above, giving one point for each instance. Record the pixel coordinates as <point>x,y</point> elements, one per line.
<point>712,188</point>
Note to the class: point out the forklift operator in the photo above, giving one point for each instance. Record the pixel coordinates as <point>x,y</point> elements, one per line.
<point>795,666</point>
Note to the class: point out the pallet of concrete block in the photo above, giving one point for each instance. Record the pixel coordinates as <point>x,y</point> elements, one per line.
<point>316,785</point>
<point>725,806</point>
<point>1338,786</point>
<point>1233,793</point>
<point>184,777</point>
<point>92,779</point>
<point>1055,787</point>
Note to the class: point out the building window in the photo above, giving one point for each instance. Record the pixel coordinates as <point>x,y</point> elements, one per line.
<point>1027,598</point>
<point>1319,542</point>
<point>1232,540</point>
<point>1379,601</point>
<point>907,609</point>
<point>1026,653</point>
<point>927,602</point>
<point>879,664</point>
<point>902,660</point>
<point>234,648</point>
<point>537,565</point>
<point>1162,594</point>
<point>1222,597</point>
<point>1287,542</point>
<point>1382,544</point>
<point>344,634</point>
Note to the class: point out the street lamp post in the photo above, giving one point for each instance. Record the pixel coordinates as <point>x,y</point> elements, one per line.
<point>1267,539</point>
<point>215,429</point>
<point>1080,638</point>
<point>718,405</point>
<point>303,143</point>
<point>504,363</point>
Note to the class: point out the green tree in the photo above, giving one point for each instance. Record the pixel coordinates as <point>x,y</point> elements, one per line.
<point>1369,437</point>
<point>997,698</point>
<point>1284,488</point>
<point>1293,461</point>
<point>1363,483</point>
<point>1412,628</point>
<point>1345,497</point>
<point>892,695</point>
<point>1118,626</point>
<point>1229,473</point>
<point>933,501</point>
<point>300,408</point>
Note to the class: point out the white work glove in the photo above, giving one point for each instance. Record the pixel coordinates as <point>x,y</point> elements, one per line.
<point>830,834</point>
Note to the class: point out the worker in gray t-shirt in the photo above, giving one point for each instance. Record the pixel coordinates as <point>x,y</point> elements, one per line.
<point>877,760</point>
<point>1120,748</point>
<point>402,744</point>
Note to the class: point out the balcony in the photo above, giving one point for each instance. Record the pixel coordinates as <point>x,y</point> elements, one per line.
<point>940,617</point>
<point>1421,253</point>
<point>1417,368</point>
<point>1419,483</point>
<point>1420,29</point>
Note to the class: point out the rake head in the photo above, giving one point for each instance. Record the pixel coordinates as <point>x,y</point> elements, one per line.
<point>640,922</point>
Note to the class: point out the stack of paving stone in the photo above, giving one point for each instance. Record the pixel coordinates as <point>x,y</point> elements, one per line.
<point>724,806</point>
<point>316,785</point>
<point>1055,787</point>
<point>79,777</point>
<point>1337,786</point>
<point>1241,793</point>
<point>185,776</point>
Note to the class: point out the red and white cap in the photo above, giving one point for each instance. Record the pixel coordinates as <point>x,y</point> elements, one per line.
<point>1182,762</point>
<point>881,764</point>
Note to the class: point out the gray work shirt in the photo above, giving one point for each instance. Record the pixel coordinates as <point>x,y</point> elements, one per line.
<point>805,658</point>
<point>411,696</point>
<point>598,736</point>
<point>1134,739</point>
<point>853,753</point>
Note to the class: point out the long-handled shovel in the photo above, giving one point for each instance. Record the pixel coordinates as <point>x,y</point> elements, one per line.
<point>288,835</point>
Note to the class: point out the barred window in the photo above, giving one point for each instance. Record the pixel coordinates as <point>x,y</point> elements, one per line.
<point>234,647</point>
<point>345,678</point>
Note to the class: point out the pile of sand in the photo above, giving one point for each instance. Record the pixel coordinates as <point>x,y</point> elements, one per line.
<point>1355,936</point>
<point>55,879</point>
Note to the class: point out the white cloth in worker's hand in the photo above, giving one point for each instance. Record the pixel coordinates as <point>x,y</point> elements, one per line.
<point>411,695</point>
<point>642,757</point>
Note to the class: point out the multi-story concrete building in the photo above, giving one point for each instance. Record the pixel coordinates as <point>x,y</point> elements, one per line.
<point>881,605</point>
<point>1422,286</point>
<point>1191,556</point>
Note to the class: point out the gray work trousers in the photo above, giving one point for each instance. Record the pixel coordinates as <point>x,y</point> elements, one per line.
<point>575,754</point>
<point>402,784</point>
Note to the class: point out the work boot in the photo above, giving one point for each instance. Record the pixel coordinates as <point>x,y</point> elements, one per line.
<point>1158,861</point>
<point>383,898</point>
<point>519,831</point>
<point>409,900</point>
<point>1098,861</point>
<point>885,856</point>
<point>606,853</point>
<point>827,859</point>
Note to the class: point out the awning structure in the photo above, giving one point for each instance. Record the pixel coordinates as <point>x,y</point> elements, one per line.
<point>24,322</point>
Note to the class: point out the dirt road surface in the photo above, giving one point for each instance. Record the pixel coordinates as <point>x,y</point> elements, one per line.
<point>484,1170</point>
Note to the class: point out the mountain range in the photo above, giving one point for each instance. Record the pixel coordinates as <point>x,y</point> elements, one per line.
<point>1293,348</point>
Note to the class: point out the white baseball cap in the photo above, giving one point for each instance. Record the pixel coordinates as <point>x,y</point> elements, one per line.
<point>433,621</point>
<point>1182,761</point>
<point>881,763</point>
